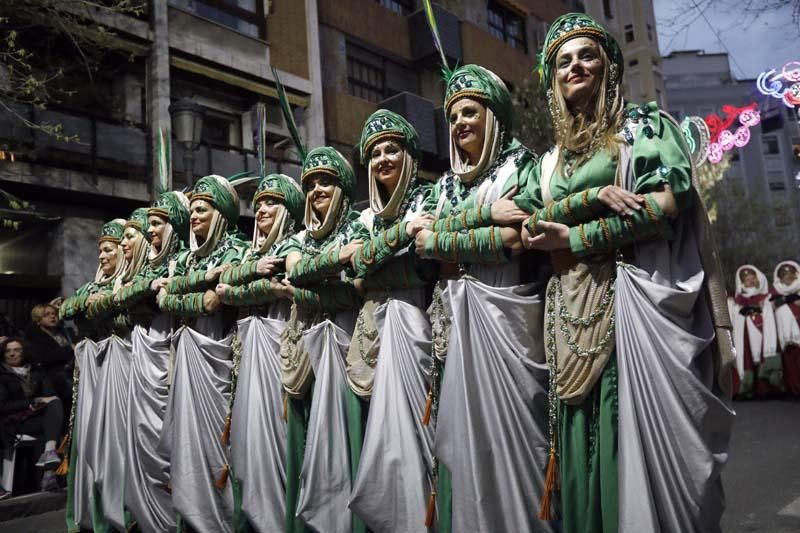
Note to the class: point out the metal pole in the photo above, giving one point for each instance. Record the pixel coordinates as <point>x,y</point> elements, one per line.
<point>188,166</point>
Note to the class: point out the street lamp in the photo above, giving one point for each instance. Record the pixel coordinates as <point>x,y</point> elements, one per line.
<point>187,123</point>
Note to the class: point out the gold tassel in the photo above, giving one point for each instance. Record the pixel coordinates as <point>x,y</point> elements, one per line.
<point>431,509</point>
<point>225,438</point>
<point>426,417</point>
<point>63,468</point>
<point>223,477</point>
<point>62,448</point>
<point>550,482</point>
<point>285,407</point>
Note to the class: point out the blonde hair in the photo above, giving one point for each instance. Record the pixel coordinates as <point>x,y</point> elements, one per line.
<point>583,133</point>
<point>38,312</point>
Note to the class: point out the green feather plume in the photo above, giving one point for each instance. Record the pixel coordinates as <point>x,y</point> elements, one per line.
<point>287,114</point>
<point>447,73</point>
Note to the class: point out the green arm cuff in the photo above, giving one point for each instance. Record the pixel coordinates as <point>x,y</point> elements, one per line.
<point>575,209</point>
<point>401,273</point>
<point>188,305</point>
<point>73,306</point>
<point>101,307</point>
<point>240,274</point>
<point>193,282</point>
<point>254,293</point>
<point>314,268</point>
<point>481,245</point>
<point>330,297</point>
<point>134,293</point>
<point>474,217</point>
<point>606,234</point>
<point>378,249</point>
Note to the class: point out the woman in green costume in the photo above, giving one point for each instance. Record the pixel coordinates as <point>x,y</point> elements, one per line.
<point>198,403</point>
<point>314,344</point>
<point>489,377</point>
<point>83,506</point>
<point>389,356</point>
<point>146,472</point>
<point>258,430</point>
<point>106,440</point>
<point>616,209</point>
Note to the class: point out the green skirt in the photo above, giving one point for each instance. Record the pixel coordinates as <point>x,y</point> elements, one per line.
<point>587,451</point>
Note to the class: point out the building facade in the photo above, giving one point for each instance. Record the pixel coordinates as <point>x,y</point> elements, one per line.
<point>758,195</point>
<point>219,55</point>
<point>633,23</point>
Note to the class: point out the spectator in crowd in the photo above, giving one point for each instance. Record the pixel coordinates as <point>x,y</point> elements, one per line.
<point>49,349</point>
<point>28,405</point>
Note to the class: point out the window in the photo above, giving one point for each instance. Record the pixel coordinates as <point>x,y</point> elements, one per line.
<point>628,33</point>
<point>649,32</point>
<point>770,146</point>
<point>404,7</point>
<point>364,80</point>
<point>507,25</point>
<point>777,186</point>
<point>221,129</point>
<point>633,62</point>
<point>245,16</point>
<point>607,12</point>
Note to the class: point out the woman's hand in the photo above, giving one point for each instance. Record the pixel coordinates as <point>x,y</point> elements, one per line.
<point>283,288</point>
<point>418,224</point>
<point>211,301</point>
<point>505,212</point>
<point>222,291</point>
<point>619,200</point>
<point>348,250</point>
<point>93,298</point>
<point>158,284</point>
<point>214,273</point>
<point>44,400</point>
<point>420,240</point>
<point>267,265</point>
<point>550,237</point>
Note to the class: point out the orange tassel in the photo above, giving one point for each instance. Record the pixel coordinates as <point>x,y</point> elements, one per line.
<point>225,438</point>
<point>63,468</point>
<point>431,509</point>
<point>285,407</point>
<point>550,482</point>
<point>223,477</point>
<point>62,448</point>
<point>426,418</point>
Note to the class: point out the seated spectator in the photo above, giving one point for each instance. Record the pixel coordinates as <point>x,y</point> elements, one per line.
<point>48,348</point>
<point>28,405</point>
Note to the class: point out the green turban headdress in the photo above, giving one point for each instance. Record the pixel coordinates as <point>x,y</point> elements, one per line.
<point>478,83</point>
<point>329,161</point>
<point>384,124</point>
<point>568,27</point>
<point>219,192</point>
<point>173,206</point>
<point>138,220</point>
<point>285,189</point>
<point>112,231</point>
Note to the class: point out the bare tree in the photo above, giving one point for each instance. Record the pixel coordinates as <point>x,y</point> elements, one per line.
<point>51,48</point>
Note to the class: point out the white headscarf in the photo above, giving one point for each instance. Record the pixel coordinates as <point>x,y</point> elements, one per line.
<point>389,210</point>
<point>218,228</point>
<point>100,279</point>
<point>320,229</point>
<point>763,343</point>
<point>141,249</point>
<point>785,322</point>
<point>459,162</point>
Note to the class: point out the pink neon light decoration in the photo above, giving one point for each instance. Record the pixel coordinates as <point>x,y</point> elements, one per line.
<point>723,139</point>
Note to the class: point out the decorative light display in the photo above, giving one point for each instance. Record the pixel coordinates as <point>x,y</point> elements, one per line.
<point>783,85</point>
<point>721,138</point>
<point>698,138</point>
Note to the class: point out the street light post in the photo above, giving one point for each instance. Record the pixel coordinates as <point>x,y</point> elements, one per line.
<point>187,123</point>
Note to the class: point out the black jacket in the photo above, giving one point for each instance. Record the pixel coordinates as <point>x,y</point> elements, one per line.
<point>42,350</point>
<point>14,403</point>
